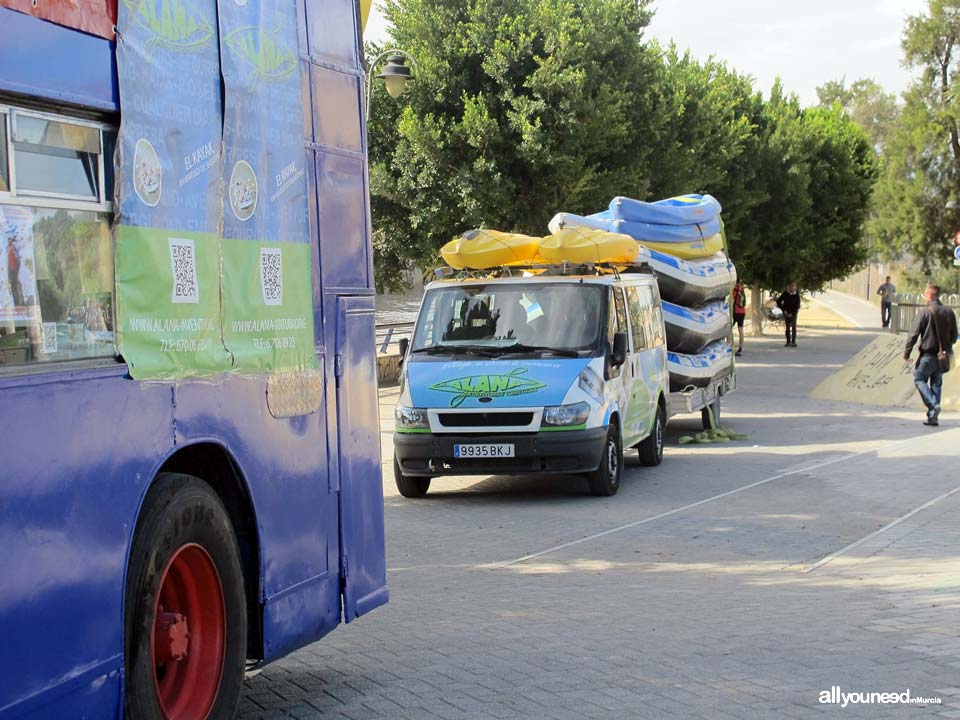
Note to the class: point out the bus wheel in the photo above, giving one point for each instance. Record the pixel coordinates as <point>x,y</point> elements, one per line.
<point>651,448</point>
<point>410,487</point>
<point>605,480</point>
<point>185,615</point>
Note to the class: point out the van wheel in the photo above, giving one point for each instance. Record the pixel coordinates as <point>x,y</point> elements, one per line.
<point>185,614</point>
<point>410,487</point>
<point>651,448</point>
<point>605,480</point>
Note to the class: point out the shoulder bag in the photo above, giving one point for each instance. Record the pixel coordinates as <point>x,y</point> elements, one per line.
<point>943,356</point>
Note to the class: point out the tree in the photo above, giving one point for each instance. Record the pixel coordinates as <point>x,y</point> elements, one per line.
<point>521,108</point>
<point>867,104</point>
<point>921,166</point>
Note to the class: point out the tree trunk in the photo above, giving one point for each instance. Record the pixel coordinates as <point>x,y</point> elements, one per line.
<point>756,310</point>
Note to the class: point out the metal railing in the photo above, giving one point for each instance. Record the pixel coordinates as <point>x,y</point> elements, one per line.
<point>906,307</point>
<point>390,334</point>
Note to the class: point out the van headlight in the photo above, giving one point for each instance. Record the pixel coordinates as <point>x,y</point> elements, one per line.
<point>408,418</point>
<point>566,415</point>
<point>591,384</point>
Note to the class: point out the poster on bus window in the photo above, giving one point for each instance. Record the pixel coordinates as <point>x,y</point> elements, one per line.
<point>168,191</point>
<point>267,263</point>
<point>18,274</point>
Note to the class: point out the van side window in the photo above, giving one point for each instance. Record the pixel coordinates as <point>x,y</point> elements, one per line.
<point>618,313</point>
<point>653,323</point>
<point>638,322</point>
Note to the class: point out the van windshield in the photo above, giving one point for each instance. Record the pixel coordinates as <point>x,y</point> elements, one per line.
<point>504,318</point>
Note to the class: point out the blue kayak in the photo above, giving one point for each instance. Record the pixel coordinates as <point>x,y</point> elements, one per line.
<point>640,231</point>
<point>682,210</point>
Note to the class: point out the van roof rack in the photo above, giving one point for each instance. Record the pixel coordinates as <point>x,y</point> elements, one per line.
<point>565,268</point>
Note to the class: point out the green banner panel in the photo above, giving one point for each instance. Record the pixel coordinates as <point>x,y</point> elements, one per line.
<point>267,305</point>
<point>170,317</point>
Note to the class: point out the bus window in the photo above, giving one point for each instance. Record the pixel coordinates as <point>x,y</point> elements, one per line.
<point>56,159</point>
<point>638,322</point>
<point>56,248</point>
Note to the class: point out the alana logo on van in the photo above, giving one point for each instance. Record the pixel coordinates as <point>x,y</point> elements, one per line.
<point>479,386</point>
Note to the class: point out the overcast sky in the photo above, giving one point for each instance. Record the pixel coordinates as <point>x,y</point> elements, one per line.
<point>806,43</point>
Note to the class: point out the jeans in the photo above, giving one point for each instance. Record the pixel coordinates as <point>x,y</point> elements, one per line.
<point>885,309</point>
<point>929,380</point>
<point>790,325</point>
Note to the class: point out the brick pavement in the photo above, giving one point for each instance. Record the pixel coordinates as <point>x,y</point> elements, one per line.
<point>711,612</point>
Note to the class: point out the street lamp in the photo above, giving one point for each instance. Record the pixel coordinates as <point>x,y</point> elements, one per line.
<point>395,73</point>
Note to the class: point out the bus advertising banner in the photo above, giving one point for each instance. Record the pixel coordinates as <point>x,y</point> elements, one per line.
<point>168,188</point>
<point>267,267</point>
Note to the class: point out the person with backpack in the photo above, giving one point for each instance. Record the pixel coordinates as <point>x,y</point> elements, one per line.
<point>936,329</point>
<point>789,303</point>
<point>739,311</point>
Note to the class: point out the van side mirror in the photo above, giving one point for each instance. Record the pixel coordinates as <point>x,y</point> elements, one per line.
<point>404,344</point>
<point>619,354</point>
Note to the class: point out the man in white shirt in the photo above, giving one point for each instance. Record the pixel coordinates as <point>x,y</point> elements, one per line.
<point>886,293</point>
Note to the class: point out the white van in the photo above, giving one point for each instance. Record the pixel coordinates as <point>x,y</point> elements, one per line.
<point>553,373</point>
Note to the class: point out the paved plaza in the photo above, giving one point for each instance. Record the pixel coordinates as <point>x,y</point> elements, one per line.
<point>734,581</point>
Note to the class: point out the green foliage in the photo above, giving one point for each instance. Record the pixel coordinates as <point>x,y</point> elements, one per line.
<point>524,108</point>
<point>921,161</point>
<point>867,104</point>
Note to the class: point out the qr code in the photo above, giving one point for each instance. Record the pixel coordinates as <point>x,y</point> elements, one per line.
<point>49,337</point>
<point>184,265</point>
<point>271,276</point>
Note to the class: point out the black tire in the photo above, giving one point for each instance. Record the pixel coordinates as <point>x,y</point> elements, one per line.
<point>181,511</point>
<point>650,449</point>
<point>705,414</point>
<point>605,480</point>
<point>410,486</point>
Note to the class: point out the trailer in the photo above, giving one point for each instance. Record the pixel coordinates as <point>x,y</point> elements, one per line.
<point>191,483</point>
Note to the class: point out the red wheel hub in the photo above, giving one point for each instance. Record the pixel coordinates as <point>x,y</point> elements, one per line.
<point>188,635</point>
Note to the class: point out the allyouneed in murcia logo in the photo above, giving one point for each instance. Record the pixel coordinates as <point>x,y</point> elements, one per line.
<point>836,696</point>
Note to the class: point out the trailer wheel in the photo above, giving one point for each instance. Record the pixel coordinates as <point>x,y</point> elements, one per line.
<point>650,448</point>
<point>185,631</point>
<point>705,414</point>
<point>605,480</point>
<point>410,486</point>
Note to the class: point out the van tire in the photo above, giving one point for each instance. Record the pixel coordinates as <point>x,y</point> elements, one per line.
<point>651,448</point>
<point>605,480</point>
<point>410,487</point>
<point>184,539</point>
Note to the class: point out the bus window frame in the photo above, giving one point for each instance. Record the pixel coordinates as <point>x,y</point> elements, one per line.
<point>53,200</point>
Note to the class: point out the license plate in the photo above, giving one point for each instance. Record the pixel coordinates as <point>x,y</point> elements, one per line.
<point>483,451</point>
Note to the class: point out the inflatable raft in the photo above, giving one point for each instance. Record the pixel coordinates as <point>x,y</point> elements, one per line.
<point>587,245</point>
<point>640,231</point>
<point>484,249</point>
<point>699,370</point>
<point>691,249</point>
<point>689,330</point>
<point>682,210</point>
<point>692,282</point>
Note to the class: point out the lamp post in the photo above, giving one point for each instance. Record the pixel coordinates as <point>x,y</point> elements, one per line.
<point>395,73</point>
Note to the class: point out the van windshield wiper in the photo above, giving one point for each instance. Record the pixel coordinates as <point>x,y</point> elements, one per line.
<point>457,349</point>
<point>524,348</point>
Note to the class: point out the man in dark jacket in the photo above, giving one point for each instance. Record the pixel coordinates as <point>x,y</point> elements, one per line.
<point>789,303</point>
<point>935,327</point>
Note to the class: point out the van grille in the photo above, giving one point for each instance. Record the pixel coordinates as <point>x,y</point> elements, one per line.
<point>486,419</point>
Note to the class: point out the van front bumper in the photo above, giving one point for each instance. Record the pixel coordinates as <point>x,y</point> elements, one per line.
<point>567,451</point>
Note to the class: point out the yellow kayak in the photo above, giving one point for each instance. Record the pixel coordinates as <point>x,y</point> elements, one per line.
<point>585,245</point>
<point>485,249</point>
<point>708,247</point>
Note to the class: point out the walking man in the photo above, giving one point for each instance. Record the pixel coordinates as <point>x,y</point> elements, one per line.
<point>789,303</point>
<point>886,293</point>
<point>936,328</point>
<point>739,311</point>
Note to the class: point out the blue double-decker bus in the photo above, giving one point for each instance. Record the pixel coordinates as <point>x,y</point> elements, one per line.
<point>191,482</point>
